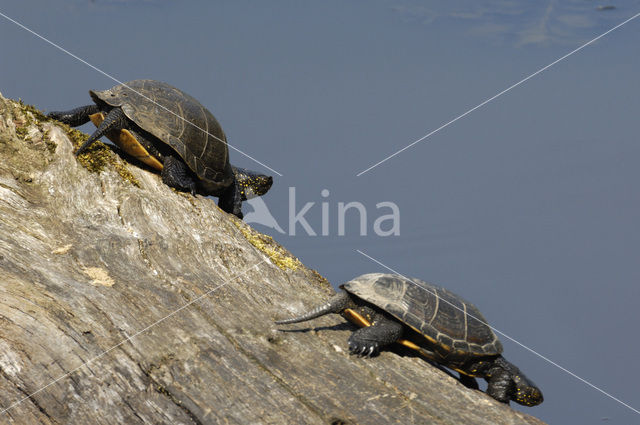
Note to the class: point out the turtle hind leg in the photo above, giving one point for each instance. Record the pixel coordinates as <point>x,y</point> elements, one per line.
<point>175,173</point>
<point>75,117</point>
<point>231,200</point>
<point>115,120</point>
<point>369,340</point>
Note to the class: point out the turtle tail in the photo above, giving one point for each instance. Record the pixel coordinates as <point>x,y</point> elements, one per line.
<point>250,183</point>
<point>336,304</point>
<point>115,119</point>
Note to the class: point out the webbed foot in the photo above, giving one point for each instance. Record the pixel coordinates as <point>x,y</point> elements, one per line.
<point>368,341</point>
<point>175,173</point>
<point>363,347</point>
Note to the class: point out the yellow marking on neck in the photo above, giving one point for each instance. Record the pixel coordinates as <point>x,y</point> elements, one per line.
<point>128,143</point>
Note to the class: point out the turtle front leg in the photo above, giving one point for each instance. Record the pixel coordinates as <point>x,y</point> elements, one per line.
<point>175,173</point>
<point>115,120</point>
<point>369,340</point>
<point>231,200</point>
<point>500,385</point>
<point>469,381</point>
<point>76,116</point>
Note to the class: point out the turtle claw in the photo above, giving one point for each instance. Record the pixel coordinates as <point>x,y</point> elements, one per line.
<point>373,350</point>
<point>363,349</point>
<point>354,348</point>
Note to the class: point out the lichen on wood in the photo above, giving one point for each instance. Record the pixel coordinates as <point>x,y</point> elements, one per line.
<point>276,253</point>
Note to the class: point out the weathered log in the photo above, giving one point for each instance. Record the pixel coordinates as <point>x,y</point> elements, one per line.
<point>123,301</point>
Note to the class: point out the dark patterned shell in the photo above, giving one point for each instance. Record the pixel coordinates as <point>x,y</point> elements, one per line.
<point>206,154</point>
<point>440,318</point>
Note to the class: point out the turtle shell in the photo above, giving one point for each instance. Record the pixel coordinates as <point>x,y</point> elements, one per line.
<point>165,112</point>
<point>456,328</point>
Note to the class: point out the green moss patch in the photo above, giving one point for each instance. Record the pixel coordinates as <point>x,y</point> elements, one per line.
<point>98,156</point>
<point>95,159</point>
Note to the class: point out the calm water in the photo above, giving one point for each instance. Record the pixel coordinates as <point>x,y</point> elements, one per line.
<point>528,206</point>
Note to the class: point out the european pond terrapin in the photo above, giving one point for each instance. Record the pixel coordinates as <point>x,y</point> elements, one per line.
<point>173,133</point>
<point>437,323</point>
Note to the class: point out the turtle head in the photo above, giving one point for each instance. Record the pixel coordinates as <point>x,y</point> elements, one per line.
<point>506,382</point>
<point>250,183</point>
<point>525,391</point>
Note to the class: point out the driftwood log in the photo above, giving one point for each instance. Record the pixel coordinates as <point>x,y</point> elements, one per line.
<point>123,301</point>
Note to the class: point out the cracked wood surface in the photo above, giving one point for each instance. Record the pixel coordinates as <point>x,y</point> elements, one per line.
<point>91,270</point>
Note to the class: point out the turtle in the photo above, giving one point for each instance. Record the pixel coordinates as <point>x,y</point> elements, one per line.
<point>171,132</point>
<point>440,325</point>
